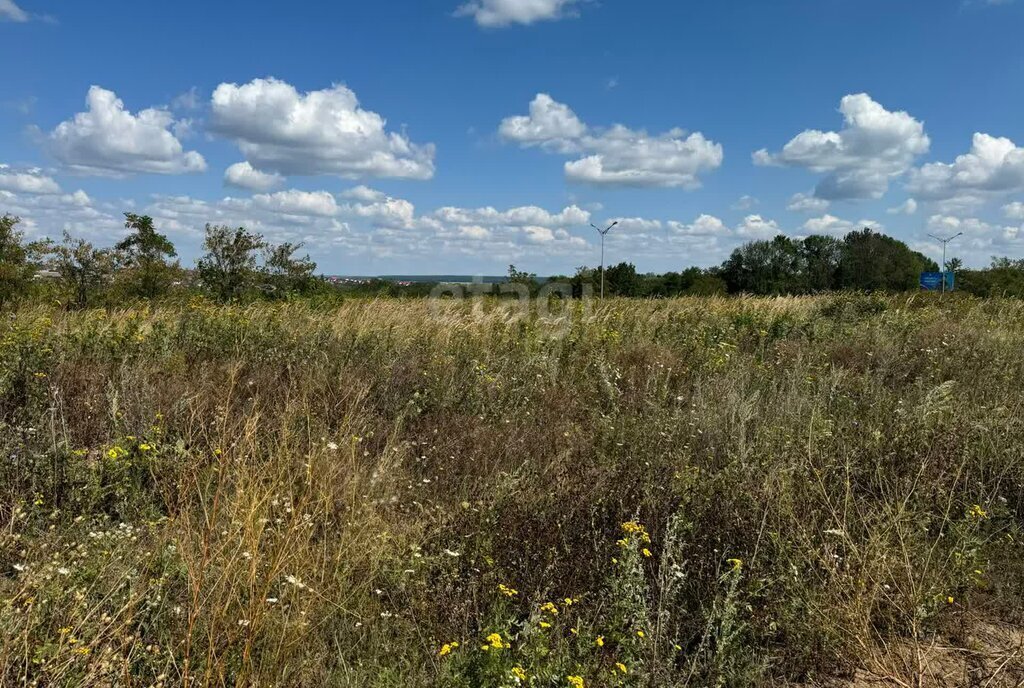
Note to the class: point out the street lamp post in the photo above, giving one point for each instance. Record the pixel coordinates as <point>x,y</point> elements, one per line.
<point>944,242</point>
<point>603,233</point>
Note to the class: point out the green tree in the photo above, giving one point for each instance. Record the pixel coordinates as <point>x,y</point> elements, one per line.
<point>82,267</point>
<point>621,280</point>
<point>873,261</point>
<point>697,282</point>
<point>285,273</point>
<point>765,267</point>
<point>821,258</point>
<point>1004,277</point>
<point>229,265</point>
<point>585,280</point>
<point>147,253</point>
<point>18,260</point>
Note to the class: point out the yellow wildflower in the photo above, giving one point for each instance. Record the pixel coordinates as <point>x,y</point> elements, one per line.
<point>600,641</point>
<point>545,624</point>
<point>977,512</point>
<point>447,648</point>
<point>507,591</point>
<point>637,529</point>
<point>84,651</point>
<point>494,640</point>
<point>950,600</point>
<point>640,634</point>
<point>575,681</point>
<point>519,674</point>
<point>736,564</point>
<point>621,667</point>
<point>646,552</point>
<point>550,608</point>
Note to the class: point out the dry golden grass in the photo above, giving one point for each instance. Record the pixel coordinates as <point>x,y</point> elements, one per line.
<point>718,492</point>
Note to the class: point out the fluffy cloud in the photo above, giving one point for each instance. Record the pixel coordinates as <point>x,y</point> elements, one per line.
<point>31,181</point>
<point>830,225</point>
<point>907,207</point>
<point>802,203</point>
<point>50,214</point>
<point>295,202</point>
<point>952,224</point>
<point>993,166</point>
<point>704,225</point>
<point>1014,211</point>
<point>752,227</point>
<point>634,224</point>
<point>370,224</point>
<point>616,156</point>
<point>514,217</point>
<point>493,13</point>
<point>9,11</point>
<point>245,176</point>
<point>109,140</point>
<point>382,211</point>
<point>550,125</point>
<point>980,239</point>
<point>874,146</point>
<point>757,227</point>
<point>364,194</point>
<point>281,130</point>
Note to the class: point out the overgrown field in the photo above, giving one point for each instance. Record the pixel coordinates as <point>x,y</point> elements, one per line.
<point>693,492</point>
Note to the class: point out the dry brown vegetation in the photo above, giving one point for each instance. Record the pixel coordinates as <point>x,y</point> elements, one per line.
<point>692,492</point>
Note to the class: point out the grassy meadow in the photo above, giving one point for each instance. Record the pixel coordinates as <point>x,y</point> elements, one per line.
<point>809,491</point>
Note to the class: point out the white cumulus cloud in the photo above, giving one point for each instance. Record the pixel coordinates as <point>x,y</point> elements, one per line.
<point>804,203</point>
<point>615,156</point>
<point>495,13</point>
<point>27,181</point>
<point>704,225</point>
<point>281,130</point>
<point>757,227</point>
<point>994,165</point>
<point>107,139</point>
<point>874,146</point>
<point>245,176</point>
<point>49,214</point>
<point>363,194</point>
<point>1014,211</point>
<point>295,202</point>
<point>383,211</point>
<point>522,216</point>
<point>831,225</point>
<point>550,125</point>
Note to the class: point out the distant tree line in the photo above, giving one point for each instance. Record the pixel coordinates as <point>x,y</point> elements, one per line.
<point>863,260</point>
<point>241,265</point>
<point>236,263</point>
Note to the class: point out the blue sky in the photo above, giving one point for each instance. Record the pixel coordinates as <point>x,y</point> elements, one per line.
<point>431,136</point>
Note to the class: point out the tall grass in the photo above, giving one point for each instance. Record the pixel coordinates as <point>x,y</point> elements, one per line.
<point>694,492</point>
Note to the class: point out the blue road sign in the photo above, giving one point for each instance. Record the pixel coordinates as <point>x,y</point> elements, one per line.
<point>932,281</point>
